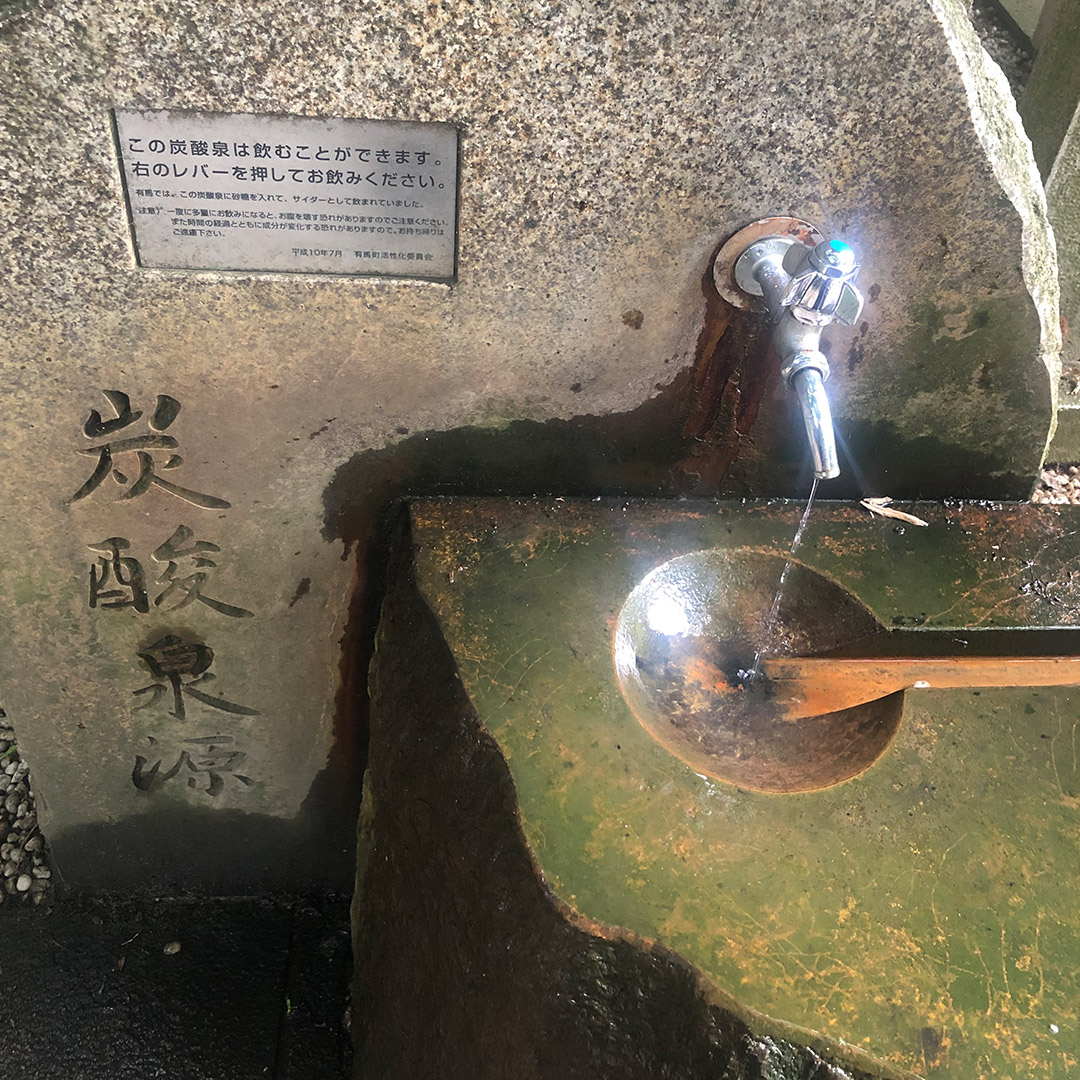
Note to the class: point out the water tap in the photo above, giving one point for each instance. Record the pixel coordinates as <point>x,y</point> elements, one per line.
<point>806,287</point>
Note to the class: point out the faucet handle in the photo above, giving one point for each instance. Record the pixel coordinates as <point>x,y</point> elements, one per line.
<point>821,289</point>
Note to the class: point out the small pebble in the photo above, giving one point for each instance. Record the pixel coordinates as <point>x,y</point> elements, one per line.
<point>172,948</point>
<point>41,872</point>
<point>24,882</point>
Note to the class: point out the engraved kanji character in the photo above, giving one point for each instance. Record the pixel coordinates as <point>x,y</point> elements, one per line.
<point>210,755</point>
<point>185,588</point>
<point>122,571</point>
<point>165,413</point>
<point>169,659</point>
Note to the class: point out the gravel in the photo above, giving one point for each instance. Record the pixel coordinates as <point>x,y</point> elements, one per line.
<point>25,873</point>
<point>1059,486</point>
<point>1006,43</point>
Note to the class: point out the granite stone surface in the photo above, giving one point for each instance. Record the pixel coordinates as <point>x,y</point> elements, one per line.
<point>1063,199</point>
<point>607,149</point>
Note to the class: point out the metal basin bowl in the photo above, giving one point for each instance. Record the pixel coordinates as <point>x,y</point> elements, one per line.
<point>686,640</point>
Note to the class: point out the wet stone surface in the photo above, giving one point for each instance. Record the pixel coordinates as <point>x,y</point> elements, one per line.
<point>467,964</point>
<point>126,989</point>
<point>913,912</point>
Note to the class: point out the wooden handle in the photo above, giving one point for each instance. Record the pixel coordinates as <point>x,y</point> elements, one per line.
<point>813,686</point>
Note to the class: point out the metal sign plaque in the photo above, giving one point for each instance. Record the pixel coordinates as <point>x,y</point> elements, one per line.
<point>213,191</point>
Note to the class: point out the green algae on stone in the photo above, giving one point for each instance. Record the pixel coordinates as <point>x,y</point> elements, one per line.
<point>915,913</point>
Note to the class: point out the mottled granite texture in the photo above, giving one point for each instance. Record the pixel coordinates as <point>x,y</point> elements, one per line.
<point>607,150</point>
<point>1063,198</point>
<point>1049,108</point>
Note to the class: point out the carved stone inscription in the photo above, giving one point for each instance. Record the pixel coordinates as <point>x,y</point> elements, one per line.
<point>122,580</point>
<point>235,192</point>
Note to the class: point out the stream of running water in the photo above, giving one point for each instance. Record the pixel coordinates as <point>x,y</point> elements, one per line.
<point>769,626</point>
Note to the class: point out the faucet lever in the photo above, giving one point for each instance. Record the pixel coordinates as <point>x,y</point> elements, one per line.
<point>820,290</point>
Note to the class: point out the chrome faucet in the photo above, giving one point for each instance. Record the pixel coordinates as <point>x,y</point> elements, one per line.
<point>806,287</point>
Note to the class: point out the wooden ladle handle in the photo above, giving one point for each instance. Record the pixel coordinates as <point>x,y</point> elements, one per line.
<point>814,686</point>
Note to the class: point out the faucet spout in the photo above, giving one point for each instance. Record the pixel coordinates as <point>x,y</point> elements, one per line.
<point>808,381</point>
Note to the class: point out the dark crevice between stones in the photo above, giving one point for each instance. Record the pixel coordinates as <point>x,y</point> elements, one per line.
<point>1009,47</point>
<point>465,966</point>
<point>637,453</point>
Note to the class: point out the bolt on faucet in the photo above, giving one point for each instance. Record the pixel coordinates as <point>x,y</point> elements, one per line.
<point>806,287</point>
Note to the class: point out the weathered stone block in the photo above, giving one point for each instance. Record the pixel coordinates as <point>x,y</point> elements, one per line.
<point>607,149</point>
<point>519,803</point>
